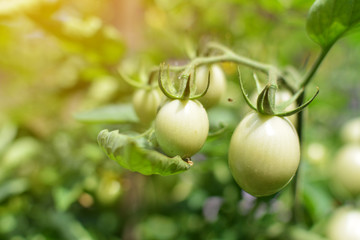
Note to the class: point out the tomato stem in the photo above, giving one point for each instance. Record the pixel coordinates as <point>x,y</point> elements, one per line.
<point>296,209</point>
<point>315,67</point>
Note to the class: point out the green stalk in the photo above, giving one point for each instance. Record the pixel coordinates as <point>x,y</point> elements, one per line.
<point>297,208</point>
<point>315,67</point>
<point>227,56</point>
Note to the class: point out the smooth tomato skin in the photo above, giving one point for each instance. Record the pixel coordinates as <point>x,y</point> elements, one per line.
<point>146,103</point>
<point>344,224</point>
<point>181,127</point>
<point>264,154</point>
<point>346,171</point>
<point>217,85</point>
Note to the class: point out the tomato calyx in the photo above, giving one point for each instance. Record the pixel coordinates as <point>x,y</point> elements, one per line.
<point>186,89</point>
<point>266,100</point>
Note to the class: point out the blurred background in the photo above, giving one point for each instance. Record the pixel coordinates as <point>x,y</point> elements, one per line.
<point>60,57</point>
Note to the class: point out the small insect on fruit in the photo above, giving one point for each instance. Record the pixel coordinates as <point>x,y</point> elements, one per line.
<point>264,153</point>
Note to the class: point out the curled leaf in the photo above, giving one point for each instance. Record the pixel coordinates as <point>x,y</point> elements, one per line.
<point>134,154</point>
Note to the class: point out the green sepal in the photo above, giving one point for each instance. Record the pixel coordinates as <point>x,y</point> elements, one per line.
<point>184,88</point>
<point>185,94</point>
<point>260,100</point>
<point>257,83</point>
<point>282,106</point>
<point>245,95</point>
<point>204,92</point>
<point>213,133</point>
<point>162,87</point>
<point>135,154</point>
<point>298,109</point>
<point>266,100</point>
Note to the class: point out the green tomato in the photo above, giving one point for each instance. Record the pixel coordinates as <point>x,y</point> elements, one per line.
<point>346,171</point>
<point>217,85</point>
<point>350,132</point>
<point>181,127</point>
<point>344,224</point>
<point>146,103</point>
<point>264,154</point>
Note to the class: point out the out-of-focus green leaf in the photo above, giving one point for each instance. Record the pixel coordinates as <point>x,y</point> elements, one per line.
<point>12,187</point>
<point>317,201</point>
<point>158,227</point>
<point>132,153</point>
<point>64,197</point>
<point>7,134</point>
<point>297,233</point>
<point>69,227</point>
<point>19,152</point>
<point>329,20</point>
<point>123,113</point>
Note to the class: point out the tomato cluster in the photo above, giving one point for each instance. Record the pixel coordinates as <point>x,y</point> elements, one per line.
<point>264,151</point>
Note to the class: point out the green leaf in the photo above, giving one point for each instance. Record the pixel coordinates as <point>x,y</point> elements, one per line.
<point>67,225</point>
<point>134,154</point>
<point>122,113</point>
<point>13,187</point>
<point>317,200</point>
<point>329,20</point>
<point>64,197</point>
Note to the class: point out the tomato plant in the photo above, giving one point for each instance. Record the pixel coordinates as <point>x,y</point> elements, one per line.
<point>65,56</point>
<point>217,86</point>
<point>264,154</point>
<point>181,127</point>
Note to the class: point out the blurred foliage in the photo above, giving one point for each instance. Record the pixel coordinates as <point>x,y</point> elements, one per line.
<point>60,57</point>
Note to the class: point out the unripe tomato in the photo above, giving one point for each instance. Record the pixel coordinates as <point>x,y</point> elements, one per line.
<point>346,171</point>
<point>264,153</point>
<point>350,132</point>
<point>181,127</point>
<point>146,103</point>
<point>344,225</point>
<point>217,85</point>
